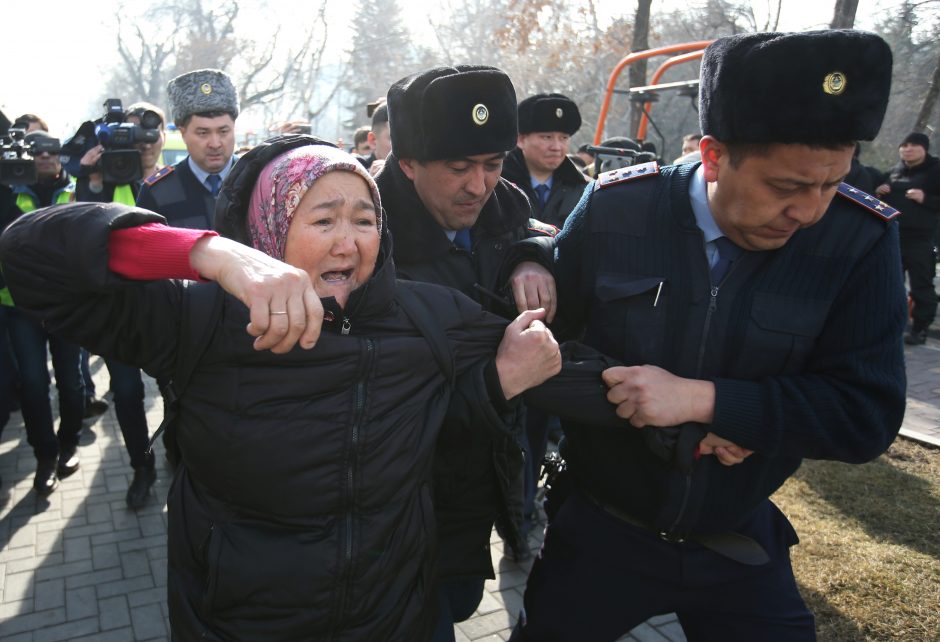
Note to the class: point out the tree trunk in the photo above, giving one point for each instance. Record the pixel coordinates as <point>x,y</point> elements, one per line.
<point>844,15</point>
<point>641,30</point>
<point>933,93</point>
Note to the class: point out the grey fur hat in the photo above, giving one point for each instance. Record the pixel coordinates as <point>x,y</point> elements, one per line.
<point>200,91</point>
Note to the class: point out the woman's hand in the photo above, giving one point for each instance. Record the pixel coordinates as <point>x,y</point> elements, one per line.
<point>284,307</point>
<point>528,354</point>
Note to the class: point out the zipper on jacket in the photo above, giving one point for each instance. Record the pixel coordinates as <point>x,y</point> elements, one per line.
<point>347,326</point>
<point>359,404</point>
<point>712,306</point>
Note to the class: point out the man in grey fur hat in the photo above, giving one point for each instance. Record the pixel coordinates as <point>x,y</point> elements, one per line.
<point>204,106</point>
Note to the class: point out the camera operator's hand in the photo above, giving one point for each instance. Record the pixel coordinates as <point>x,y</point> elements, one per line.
<point>91,158</point>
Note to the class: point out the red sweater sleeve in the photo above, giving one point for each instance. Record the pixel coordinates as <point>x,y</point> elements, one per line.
<point>154,251</point>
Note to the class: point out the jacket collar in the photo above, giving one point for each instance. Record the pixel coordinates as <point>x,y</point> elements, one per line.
<point>515,171</point>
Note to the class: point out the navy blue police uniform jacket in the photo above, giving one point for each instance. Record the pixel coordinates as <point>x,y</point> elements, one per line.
<point>803,344</point>
<point>176,193</point>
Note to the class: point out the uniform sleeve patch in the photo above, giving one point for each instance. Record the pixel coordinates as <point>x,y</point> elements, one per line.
<point>624,174</point>
<point>877,207</point>
<point>544,229</point>
<point>159,175</point>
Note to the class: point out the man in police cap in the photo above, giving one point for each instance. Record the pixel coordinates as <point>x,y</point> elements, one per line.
<point>757,303</point>
<point>539,165</point>
<point>204,106</point>
<point>453,219</point>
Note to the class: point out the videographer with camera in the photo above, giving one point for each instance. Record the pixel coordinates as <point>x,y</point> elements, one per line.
<point>126,148</point>
<point>204,106</point>
<point>31,177</point>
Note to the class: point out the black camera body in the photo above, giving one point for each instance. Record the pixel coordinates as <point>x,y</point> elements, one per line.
<point>120,161</point>
<point>17,166</point>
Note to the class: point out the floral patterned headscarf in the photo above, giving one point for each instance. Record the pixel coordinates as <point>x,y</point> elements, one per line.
<point>284,181</point>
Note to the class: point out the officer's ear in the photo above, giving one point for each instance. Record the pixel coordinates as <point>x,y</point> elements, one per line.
<point>407,167</point>
<point>713,152</point>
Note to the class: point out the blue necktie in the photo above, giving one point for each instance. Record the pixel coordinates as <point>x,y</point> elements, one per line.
<point>462,239</point>
<point>214,182</point>
<point>542,191</point>
<point>727,253</point>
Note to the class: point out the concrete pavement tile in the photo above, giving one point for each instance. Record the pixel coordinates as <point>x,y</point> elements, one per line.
<point>9,554</point>
<point>488,604</point>
<point>117,635</point>
<point>10,610</point>
<point>105,556</point>
<point>459,636</point>
<point>33,621</point>
<point>151,525</point>
<point>135,563</point>
<point>646,633</point>
<point>123,587</point>
<point>77,548</point>
<point>148,622</point>
<point>81,603</point>
<point>18,587</point>
<point>140,543</point>
<point>67,630</point>
<point>510,579</point>
<point>49,594</point>
<point>86,530</point>
<point>113,613</point>
<point>483,625</point>
<point>49,542</point>
<point>97,513</point>
<point>22,637</point>
<point>115,536</point>
<point>30,564</point>
<point>89,578</point>
<point>157,552</point>
<point>24,536</point>
<point>658,620</point>
<point>147,596</point>
<point>124,519</point>
<point>673,631</point>
<point>158,571</point>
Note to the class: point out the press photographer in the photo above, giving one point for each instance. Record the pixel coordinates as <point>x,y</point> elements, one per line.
<point>126,148</point>
<point>116,152</point>
<point>32,177</point>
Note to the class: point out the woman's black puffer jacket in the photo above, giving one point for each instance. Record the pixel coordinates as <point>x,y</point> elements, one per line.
<point>301,510</point>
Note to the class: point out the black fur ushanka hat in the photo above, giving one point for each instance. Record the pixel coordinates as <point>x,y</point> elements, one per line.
<point>452,112</point>
<point>815,87</point>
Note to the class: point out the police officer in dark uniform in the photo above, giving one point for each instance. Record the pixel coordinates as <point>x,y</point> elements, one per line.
<point>539,165</point>
<point>453,219</point>
<point>757,303</point>
<point>204,106</point>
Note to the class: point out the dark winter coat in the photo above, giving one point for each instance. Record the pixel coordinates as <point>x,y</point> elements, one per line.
<point>567,186</point>
<point>302,508</point>
<point>916,218</point>
<point>803,345</point>
<point>476,477</point>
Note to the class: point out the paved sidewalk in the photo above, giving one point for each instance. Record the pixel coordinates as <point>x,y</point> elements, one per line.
<point>81,566</point>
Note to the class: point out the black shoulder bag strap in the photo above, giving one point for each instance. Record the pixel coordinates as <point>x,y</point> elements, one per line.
<point>422,316</point>
<point>200,312</point>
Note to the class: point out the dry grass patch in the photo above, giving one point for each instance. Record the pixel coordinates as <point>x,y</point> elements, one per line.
<point>868,563</point>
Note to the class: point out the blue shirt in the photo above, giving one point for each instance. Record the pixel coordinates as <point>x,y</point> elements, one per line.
<point>201,174</point>
<point>547,183</point>
<point>698,194</point>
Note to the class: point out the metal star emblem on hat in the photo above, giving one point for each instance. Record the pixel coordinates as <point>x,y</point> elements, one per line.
<point>480,114</point>
<point>205,88</point>
<point>559,113</point>
<point>835,83</point>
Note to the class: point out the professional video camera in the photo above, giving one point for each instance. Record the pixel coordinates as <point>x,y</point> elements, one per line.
<point>616,153</point>
<point>120,161</point>
<point>17,166</point>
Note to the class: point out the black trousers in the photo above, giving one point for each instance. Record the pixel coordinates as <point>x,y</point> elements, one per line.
<point>917,259</point>
<point>597,577</point>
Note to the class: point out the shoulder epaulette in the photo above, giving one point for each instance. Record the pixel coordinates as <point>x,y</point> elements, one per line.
<point>545,229</point>
<point>159,175</point>
<point>624,174</point>
<point>877,207</point>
